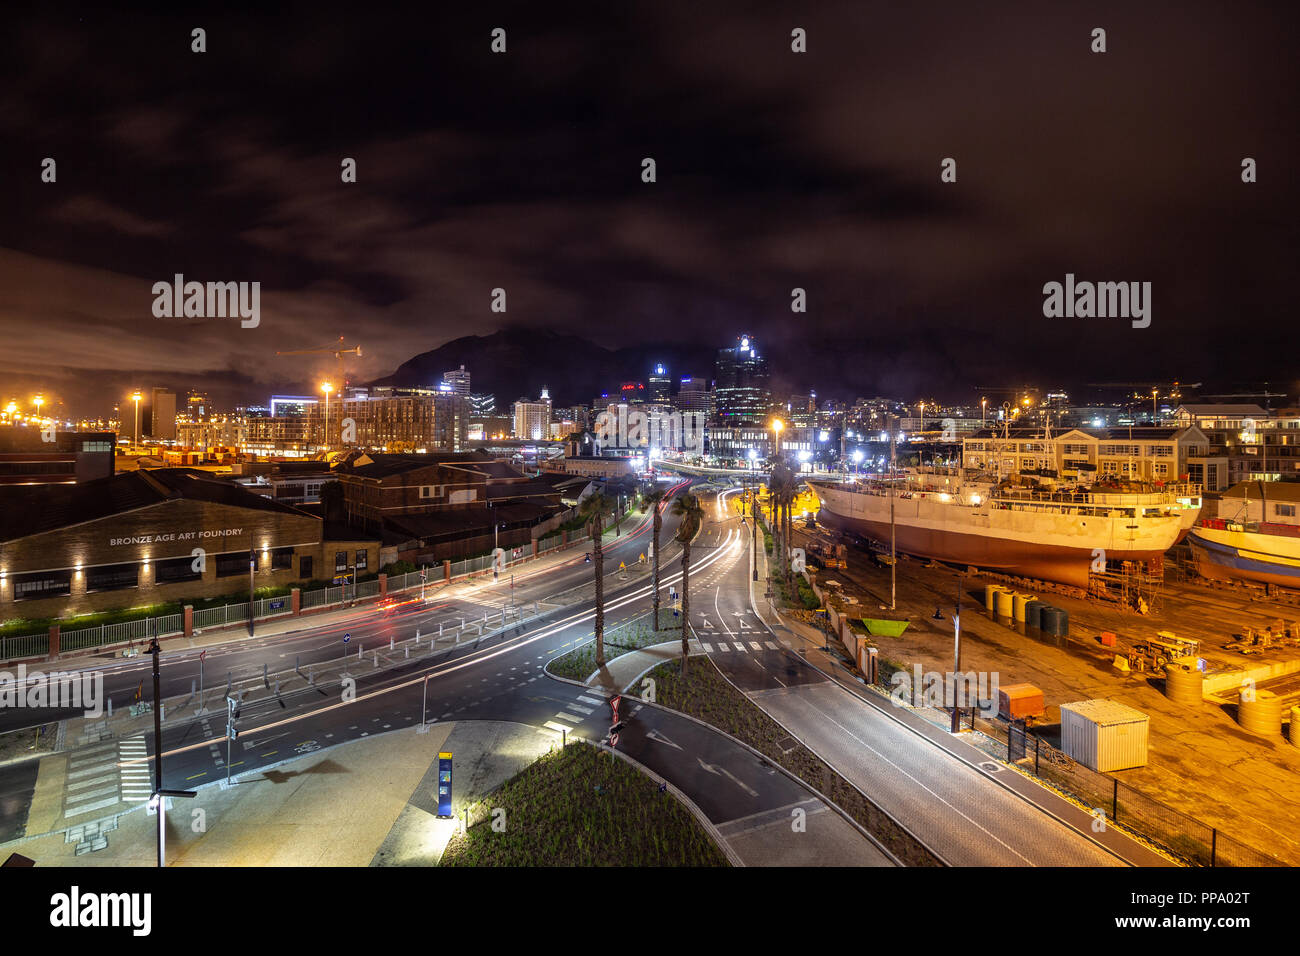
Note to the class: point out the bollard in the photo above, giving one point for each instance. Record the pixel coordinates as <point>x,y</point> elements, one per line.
<point>277,687</point>
<point>311,675</point>
<point>408,653</point>
<point>390,643</point>
<point>162,711</point>
<point>440,629</point>
<point>376,658</point>
<point>110,707</point>
<point>193,686</point>
<point>265,679</point>
<point>359,650</point>
<point>417,637</point>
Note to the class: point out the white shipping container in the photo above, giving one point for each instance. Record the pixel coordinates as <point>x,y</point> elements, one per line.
<point>1104,735</point>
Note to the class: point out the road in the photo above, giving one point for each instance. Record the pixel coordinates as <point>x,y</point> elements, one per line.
<point>943,790</point>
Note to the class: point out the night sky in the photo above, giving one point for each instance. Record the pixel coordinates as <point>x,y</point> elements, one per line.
<point>775,170</point>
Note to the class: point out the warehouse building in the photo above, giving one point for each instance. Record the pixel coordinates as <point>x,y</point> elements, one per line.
<point>146,537</point>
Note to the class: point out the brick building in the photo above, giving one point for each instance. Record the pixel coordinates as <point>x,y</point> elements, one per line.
<point>446,505</point>
<point>134,540</point>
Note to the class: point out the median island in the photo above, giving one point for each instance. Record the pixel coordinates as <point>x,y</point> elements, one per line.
<point>581,806</point>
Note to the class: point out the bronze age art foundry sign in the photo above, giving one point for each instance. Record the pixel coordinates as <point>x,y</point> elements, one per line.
<point>167,536</point>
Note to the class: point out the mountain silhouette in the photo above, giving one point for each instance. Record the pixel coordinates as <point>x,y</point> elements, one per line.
<point>516,363</point>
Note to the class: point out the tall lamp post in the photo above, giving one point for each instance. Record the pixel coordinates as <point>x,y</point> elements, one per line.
<point>326,387</point>
<point>893,543</point>
<point>984,409</point>
<point>135,436</point>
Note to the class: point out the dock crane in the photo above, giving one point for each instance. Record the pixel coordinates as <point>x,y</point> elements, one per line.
<point>338,353</point>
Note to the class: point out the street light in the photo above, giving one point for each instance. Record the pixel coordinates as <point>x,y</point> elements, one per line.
<point>777,425</point>
<point>984,408</point>
<point>326,387</point>
<point>135,437</point>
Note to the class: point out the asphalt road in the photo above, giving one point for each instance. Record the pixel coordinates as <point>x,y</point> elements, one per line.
<point>943,790</point>
<point>498,677</point>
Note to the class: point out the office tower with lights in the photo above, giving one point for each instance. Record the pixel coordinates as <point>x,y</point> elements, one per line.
<point>741,395</point>
<point>661,384</point>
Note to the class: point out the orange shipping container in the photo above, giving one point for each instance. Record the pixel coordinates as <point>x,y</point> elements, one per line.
<point>1018,701</point>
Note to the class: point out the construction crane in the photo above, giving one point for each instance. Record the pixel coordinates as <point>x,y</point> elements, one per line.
<point>338,354</point>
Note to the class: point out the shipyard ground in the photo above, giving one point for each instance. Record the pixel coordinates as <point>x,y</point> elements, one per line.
<point>1201,762</point>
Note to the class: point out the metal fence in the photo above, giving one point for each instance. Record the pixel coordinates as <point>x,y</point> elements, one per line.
<point>1182,835</point>
<point>221,616</point>
<point>100,635</point>
<point>471,565</point>
<point>25,645</point>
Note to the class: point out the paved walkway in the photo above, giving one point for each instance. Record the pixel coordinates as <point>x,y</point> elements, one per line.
<point>370,802</point>
<point>620,672</point>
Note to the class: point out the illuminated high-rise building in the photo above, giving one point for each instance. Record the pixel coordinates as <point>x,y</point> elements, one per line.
<point>741,394</point>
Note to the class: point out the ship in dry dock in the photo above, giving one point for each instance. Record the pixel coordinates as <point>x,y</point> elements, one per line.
<point>1018,525</point>
<point>1254,537</point>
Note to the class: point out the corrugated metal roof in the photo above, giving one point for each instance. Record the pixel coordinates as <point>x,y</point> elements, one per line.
<point>1105,712</point>
<point>32,509</point>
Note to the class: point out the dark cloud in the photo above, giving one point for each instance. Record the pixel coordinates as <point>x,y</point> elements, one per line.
<point>775,170</point>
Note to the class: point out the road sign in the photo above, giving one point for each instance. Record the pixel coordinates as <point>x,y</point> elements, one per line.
<point>347,637</point>
<point>424,574</point>
<point>444,784</point>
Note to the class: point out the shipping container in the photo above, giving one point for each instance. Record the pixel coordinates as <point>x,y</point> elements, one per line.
<point>1018,701</point>
<point>1104,735</point>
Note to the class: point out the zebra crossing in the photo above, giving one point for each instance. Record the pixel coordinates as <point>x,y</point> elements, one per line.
<point>725,646</point>
<point>92,781</point>
<point>134,768</point>
<point>575,712</point>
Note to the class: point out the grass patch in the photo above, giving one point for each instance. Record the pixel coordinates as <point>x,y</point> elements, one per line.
<point>580,806</point>
<point>580,663</point>
<point>30,742</point>
<point>706,695</point>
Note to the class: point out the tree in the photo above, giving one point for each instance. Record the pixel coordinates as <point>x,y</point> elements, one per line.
<point>687,507</point>
<point>783,485</point>
<point>593,511</point>
<point>652,495</point>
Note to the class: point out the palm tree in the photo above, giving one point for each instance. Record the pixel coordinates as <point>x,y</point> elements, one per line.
<point>687,507</point>
<point>783,483</point>
<point>593,511</point>
<point>652,495</point>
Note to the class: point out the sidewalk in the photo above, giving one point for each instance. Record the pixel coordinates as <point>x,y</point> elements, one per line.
<point>369,802</point>
<point>619,673</point>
